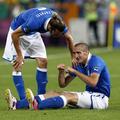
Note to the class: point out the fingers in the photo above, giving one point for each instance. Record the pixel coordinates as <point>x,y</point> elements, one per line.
<point>61,66</point>
<point>74,62</point>
<point>64,68</point>
<point>70,69</point>
<point>17,64</point>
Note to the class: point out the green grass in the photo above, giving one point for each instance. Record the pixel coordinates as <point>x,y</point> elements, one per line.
<point>56,56</point>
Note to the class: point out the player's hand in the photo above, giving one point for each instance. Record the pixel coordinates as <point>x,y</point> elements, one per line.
<point>74,62</point>
<point>70,69</point>
<point>61,67</point>
<point>18,62</point>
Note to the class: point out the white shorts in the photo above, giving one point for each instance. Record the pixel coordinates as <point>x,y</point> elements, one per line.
<point>31,46</point>
<point>92,100</point>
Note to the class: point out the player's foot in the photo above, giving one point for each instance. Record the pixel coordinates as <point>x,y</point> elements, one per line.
<point>11,100</point>
<point>32,101</point>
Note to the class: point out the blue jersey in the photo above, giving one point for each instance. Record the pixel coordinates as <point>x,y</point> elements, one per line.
<point>33,20</point>
<point>96,65</point>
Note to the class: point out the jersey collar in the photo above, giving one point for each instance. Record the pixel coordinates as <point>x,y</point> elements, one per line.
<point>88,59</point>
<point>46,23</point>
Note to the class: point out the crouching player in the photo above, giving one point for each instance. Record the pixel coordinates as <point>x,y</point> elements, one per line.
<point>91,69</point>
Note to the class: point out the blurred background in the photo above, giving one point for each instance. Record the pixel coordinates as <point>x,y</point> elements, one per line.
<point>95,22</point>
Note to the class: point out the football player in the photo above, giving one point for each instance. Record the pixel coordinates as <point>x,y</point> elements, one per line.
<point>24,41</point>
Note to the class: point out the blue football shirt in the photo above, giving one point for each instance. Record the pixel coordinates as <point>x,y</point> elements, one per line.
<point>33,20</point>
<point>96,65</point>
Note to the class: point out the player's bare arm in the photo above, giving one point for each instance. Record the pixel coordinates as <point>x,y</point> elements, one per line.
<point>90,80</point>
<point>69,41</point>
<point>63,78</point>
<point>15,38</point>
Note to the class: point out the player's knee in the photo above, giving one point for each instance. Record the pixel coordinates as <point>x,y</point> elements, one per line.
<point>42,62</point>
<point>72,98</point>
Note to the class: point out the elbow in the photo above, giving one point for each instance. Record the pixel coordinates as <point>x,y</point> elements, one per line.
<point>93,84</point>
<point>61,85</point>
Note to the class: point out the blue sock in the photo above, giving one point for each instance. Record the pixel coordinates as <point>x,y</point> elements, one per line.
<point>54,102</point>
<point>22,104</point>
<point>39,98</point>
<point>41,78</point>
<point>19,83</point>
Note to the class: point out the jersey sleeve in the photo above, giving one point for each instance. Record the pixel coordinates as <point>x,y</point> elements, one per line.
<point>31,25</point>
<point>72,74</point>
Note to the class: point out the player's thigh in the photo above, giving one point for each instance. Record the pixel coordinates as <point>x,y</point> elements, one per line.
<point>100,101</point>
<point>84,100</point>
<point>92,100</point>
<point>34,46</point>
<point>37,48</point>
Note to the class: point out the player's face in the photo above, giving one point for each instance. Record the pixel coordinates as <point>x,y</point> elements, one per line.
<point>56,33</point>
<point>80,55</point>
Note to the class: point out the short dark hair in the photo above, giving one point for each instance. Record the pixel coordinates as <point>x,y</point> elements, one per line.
<point>84,46</point>
<point>57,23</point>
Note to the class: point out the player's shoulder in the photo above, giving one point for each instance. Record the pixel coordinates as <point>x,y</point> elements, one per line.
<point>97,59</point>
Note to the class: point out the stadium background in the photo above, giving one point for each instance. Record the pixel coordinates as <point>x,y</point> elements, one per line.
<point>72,11</point>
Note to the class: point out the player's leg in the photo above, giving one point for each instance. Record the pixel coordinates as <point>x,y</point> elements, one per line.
<point>18,78</point>
<point>30,96</point>
<point>13,103</point>
<point>19,83</point>
<point>39,102</point>
<point>58,100</point>
<point>9,55</point>
<point>37,50</point>
<point>80,99</point>
<point>41,75</point>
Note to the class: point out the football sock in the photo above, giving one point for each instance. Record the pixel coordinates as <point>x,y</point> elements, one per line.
<point>41,78</point>
<point>39,98</point>
<point>19,84</point>
<point>22,104</point>
<point>54,102</point>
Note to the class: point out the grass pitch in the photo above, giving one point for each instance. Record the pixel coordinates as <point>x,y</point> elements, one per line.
<point>57,55</point>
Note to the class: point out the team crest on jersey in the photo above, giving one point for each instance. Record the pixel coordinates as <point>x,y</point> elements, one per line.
<point>96,68</point>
